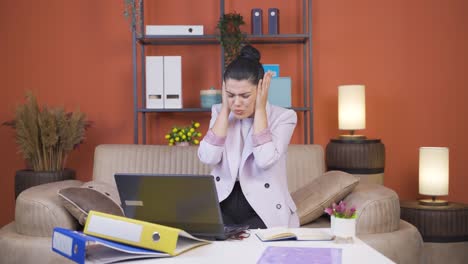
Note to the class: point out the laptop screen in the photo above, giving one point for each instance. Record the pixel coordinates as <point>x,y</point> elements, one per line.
<point>188,202</point>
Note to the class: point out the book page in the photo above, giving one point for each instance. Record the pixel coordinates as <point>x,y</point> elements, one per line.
<point>311,234</point>
<point>278,233</point>
<point>186,242</point>
<point>275,233</point>
<point>99,253</point>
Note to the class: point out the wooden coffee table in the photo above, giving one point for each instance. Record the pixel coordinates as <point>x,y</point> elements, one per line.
<point>250,250</point>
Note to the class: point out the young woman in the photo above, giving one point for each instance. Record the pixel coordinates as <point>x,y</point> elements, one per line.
<point>247,144</point>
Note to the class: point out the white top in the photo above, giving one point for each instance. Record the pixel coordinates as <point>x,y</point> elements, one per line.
<point>246,125</point>
<point>250,250</point>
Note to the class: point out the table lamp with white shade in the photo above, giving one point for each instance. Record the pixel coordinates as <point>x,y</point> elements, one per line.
<point>355,154</point>
<point>351,110</point>
<point>433,174</point>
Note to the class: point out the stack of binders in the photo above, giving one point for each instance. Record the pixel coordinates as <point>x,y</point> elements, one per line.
<point>109,238</point>
<point>163,82</point>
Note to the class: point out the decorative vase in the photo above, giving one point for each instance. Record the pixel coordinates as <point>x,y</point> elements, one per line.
<point>343,228</point>
<point>182,144</point>
<point>25,179</point>
<point>210,97</point>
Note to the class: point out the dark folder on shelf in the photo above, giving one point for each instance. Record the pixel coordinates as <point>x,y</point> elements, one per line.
<point>256,19</point>
<point>273,21</point>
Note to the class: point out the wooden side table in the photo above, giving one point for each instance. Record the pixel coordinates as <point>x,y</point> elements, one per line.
<point>444,230</point>
<point>437,223</point>
<point>362,157</point>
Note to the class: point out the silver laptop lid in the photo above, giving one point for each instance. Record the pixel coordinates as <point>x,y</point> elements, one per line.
<point>188,202</point>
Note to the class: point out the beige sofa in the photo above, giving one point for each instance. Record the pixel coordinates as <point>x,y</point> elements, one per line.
<point>38,209</point>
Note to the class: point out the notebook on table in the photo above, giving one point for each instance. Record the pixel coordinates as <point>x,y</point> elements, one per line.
<point>187,202</point>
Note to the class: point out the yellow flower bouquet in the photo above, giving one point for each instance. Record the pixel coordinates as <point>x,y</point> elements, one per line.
<point>188,134</point>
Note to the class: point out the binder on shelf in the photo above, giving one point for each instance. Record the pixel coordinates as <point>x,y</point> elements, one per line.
<point>273,21</point>
<point>154,82</point>
<point>172,82</point>
<point>279,92</point>
<point>256,21</point>
<point>82,248</point>
<point>172,241</point>
<point>163,82</point>
<point>171,30</point>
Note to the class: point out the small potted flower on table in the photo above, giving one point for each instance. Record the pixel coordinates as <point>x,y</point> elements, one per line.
<point>343,221</point>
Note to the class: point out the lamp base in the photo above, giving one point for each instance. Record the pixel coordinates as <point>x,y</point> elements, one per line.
<point>433,202</point>
<point>352,137</point>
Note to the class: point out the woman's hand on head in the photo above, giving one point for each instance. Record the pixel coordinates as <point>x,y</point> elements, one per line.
<point>220,125</point>
<point>262,91</point>
<point>225,103</point>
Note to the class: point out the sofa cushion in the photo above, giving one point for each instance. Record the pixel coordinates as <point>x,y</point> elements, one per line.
<point>97,196</point>
<point>38,209</point>
<point>130,158</point>
<point>305,163</point>
<point>312,199</point>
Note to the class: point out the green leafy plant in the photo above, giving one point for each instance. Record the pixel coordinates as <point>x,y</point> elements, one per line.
<point>187,134</point>
<point>230,35</point>
<point>46,136</point>
<point>132,11</point>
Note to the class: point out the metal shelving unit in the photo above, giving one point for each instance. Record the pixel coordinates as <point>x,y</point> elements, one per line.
<point>146,110</point>
<point>304,39</point>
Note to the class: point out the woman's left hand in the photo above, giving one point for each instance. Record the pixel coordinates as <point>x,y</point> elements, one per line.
<point>262,91</point>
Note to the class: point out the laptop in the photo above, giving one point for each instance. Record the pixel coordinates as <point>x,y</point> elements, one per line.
<point>188,202</point>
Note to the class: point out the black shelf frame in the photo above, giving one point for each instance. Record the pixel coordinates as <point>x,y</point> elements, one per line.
<point>212,39</point>
<point>305,39</point>
<point>185,110</point>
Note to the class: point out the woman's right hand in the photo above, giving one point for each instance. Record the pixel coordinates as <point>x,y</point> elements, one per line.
<point>220,126</point>
<point>225,105</point>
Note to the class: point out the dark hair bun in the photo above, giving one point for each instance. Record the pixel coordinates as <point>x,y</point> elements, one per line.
<point>249,52</point>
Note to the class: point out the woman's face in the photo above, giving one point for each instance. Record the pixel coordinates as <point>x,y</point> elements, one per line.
<point>241,97</point>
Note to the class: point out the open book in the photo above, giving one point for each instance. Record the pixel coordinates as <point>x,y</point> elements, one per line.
<point>284,233</point>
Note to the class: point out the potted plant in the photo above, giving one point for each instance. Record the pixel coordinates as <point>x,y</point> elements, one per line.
<point>45,137</point>
<point>184,136</point>
<point>230,35</point>
<point>132,11</point>
<point>343,221</point>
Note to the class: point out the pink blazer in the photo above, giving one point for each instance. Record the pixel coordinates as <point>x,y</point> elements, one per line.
<point>262,164</point>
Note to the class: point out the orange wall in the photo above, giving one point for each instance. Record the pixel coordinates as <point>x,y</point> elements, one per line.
<point>410,54</point>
